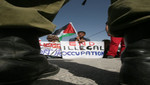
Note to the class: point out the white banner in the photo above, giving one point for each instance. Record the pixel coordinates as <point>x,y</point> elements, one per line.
<point>50,49</point>
<point>91,49</point>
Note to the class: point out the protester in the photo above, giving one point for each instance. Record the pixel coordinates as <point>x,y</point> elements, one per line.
<point>22,22</point>
<point>55,40</point>
<point>114,45</point>
<point>80,38</point>
<point>130,19</point>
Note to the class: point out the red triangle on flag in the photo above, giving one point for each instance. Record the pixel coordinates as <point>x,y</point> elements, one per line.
<point>69,29</point>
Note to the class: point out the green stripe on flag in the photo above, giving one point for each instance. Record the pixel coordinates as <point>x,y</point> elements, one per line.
<point>66,35</point>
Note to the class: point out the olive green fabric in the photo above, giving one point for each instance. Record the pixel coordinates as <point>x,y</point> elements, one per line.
<point>127,14</point>
<point>37,14</point>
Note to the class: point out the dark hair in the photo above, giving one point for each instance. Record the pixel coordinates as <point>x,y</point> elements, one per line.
<point>51,38</point>
<point>81,32</point>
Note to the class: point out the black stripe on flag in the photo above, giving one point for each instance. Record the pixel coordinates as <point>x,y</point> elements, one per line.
<point>57,32</point>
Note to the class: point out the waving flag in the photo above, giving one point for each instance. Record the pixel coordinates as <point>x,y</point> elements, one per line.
<point>65,31</point>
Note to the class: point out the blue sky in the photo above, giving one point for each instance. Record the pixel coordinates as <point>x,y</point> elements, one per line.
<point>90,18</point>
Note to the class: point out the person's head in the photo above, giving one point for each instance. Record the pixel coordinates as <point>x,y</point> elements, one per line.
<point>81,34</point>
<point>52,38</point>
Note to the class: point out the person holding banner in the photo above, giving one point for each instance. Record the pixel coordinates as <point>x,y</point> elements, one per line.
<point>80,38</point>
<point>130,19</point>
<point>22,22</point>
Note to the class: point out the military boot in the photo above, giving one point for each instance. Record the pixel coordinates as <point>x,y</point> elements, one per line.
<point>20,60</point>
<point>135,68</point>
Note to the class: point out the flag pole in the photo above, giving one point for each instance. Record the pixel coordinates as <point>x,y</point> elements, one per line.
<point>74,29</point>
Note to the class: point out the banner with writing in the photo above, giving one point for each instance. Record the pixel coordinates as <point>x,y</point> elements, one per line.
<point>51,49</point>
<point>89,49</point>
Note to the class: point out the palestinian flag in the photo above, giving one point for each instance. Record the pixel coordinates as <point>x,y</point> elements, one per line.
<point>65,31</point>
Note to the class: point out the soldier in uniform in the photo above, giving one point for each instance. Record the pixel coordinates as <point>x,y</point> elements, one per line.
<point>130,19</point>
<point>22,22</point>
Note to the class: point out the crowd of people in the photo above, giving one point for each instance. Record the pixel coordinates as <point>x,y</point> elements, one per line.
<point>110,52</point>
